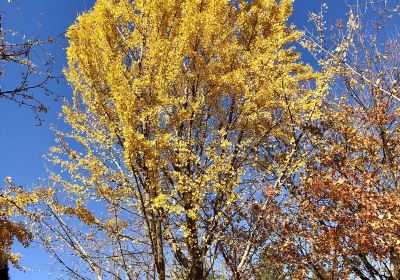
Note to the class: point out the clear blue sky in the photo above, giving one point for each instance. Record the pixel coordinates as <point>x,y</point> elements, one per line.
<point>22,143</point>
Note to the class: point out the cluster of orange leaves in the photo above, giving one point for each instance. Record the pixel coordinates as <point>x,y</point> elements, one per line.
<point>345,212</point>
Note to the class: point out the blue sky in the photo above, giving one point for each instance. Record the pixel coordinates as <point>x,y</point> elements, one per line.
<point>22,143</point>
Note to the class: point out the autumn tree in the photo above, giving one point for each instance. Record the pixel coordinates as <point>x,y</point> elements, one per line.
<point>182,112</point>
<point>339,218</point>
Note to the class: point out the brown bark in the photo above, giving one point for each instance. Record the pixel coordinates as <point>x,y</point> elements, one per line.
<point>394,266</point>
<point>4,270</point>
<point>160,252</point>
<point>196,267</point>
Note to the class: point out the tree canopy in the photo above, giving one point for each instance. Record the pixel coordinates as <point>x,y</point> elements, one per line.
<point>183,110</point>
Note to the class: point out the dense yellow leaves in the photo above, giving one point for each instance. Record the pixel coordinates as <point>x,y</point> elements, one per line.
<point>151,72</point>
<point>173,100</point>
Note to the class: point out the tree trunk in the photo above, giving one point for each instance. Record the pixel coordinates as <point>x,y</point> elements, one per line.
<point>160,252</point>
<point>196,271</point>
<point>4,270</point>
<point>395,266</point>
<point>196,268</point>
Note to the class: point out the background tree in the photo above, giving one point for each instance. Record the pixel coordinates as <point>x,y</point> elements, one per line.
<point>339,219</point>
<point>17,53</point>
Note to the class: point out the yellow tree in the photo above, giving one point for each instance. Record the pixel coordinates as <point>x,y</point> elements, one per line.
<point>182,111</point>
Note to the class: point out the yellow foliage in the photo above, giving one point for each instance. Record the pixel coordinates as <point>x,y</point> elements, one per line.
<point>171,101</point>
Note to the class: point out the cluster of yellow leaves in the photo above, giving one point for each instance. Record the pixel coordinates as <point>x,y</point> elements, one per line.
<point>180,90</point>
<point>12,203</point>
